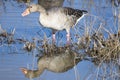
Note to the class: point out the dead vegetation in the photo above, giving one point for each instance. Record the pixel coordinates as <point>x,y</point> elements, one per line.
<point>6,37</point>
<point>94,47</point>
<point>104,50</point>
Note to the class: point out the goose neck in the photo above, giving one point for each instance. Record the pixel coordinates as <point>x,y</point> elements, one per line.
<point>41,9</point>
<point>34,73</point>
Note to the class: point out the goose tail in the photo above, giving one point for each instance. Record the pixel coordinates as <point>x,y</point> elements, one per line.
<point>84,11</point>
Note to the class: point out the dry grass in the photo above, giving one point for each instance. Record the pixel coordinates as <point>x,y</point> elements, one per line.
<point>102,51</point>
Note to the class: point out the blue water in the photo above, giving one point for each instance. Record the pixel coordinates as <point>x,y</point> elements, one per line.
<point>12,57</point>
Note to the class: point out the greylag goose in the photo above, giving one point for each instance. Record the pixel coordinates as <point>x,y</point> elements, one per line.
<point>57,18</point>
<point>57,63</point>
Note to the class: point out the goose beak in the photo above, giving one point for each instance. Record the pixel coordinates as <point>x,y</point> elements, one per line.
<point>26,12</point>
<point>24,70</point>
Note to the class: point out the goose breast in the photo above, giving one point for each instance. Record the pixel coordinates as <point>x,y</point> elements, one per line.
<point>55,19</point>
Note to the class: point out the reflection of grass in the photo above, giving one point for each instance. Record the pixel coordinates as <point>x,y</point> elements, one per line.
<point>94,46</point>
<point>102,51</point>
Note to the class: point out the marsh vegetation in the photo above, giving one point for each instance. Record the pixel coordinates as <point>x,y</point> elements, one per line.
<point>96,38</point>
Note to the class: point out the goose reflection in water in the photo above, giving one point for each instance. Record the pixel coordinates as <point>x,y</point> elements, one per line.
<point>58,63</point>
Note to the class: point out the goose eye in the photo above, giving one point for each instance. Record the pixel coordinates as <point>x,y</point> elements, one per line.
<point>30,6</point>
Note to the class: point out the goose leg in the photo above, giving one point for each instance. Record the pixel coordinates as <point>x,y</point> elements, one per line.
<point>68,38</point>
<point>53,36</point>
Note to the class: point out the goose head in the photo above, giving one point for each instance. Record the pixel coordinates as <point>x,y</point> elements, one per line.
<point>25,72</point>
<point>33,8</point>
<point>31,73</point>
